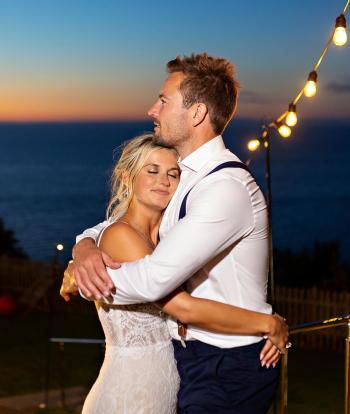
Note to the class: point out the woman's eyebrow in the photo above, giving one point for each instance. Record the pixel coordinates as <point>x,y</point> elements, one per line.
<point>158,165</point>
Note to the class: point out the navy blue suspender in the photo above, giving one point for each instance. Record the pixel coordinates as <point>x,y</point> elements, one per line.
<point>227,164</point>
<point>182,327</point>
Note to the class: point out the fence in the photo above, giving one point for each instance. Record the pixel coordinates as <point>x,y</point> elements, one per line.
<point>36,284</point>
<point>17,275</point>
<point>302,305</point>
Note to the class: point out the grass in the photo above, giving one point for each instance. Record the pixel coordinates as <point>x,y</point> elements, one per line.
<point>24,351</point>
<point>316,382</point>
<point>316,379</point>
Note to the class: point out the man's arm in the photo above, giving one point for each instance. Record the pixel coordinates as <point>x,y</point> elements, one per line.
<point>219,214</point>
<point>92,233</point>
<point>89,259</point>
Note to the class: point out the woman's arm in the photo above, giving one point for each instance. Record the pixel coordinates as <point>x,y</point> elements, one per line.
<point>220,317</point>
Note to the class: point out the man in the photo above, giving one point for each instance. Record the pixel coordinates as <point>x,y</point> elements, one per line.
<point>221,239</point>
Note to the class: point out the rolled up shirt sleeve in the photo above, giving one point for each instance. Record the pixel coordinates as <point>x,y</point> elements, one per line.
<point>92,232</point>
<point>219,213</point>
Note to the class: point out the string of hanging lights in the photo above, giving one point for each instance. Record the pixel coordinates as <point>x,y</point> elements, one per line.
<point>289,119</point>
<point>283,125</point>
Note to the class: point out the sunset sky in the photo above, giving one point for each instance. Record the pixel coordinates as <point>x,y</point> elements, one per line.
<point>96,60</point>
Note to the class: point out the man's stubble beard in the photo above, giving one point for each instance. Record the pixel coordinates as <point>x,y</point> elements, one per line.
<point>175,139</point>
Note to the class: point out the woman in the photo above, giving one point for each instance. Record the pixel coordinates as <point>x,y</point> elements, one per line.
<point>139,373</point>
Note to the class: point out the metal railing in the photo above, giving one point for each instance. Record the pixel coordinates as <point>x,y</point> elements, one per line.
<point>61,343</point>
<point>337,321</point>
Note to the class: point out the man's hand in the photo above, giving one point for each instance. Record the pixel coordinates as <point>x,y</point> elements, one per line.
<point>68,283</point>
<point>277,339</point>
<point>90,270</point>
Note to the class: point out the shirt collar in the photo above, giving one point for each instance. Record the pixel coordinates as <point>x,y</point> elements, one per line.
<point>198,158</point>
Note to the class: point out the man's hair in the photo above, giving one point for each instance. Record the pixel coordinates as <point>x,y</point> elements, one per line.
<point>208,80</point>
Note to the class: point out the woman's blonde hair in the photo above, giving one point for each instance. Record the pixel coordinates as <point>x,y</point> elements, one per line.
<point>132,158</point>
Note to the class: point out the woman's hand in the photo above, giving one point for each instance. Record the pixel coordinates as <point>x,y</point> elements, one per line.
<point>69,285</point>
<point>270,355</point>
<point>277,339</point>
<point>279,332</point>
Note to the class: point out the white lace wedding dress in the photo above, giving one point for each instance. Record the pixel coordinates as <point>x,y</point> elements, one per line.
<point>139,374</point>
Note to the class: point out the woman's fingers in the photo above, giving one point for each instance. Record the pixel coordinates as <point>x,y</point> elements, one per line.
<point>270,355</point>
<point>266,349</point>
<point>68,283</point>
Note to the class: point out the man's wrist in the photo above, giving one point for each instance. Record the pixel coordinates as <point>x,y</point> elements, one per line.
<point>84,243</point>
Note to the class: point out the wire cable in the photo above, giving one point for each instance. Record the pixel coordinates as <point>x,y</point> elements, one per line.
<point>315,68</point>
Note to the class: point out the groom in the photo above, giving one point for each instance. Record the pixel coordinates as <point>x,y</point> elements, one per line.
<point>215,228</point>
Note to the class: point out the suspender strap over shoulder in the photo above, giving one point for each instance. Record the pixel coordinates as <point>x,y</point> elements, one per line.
<point>227,164</point>
<point>181,327</point>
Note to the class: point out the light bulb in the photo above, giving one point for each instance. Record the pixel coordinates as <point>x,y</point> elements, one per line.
<point>253,144</point>
<point>310,87</point>
<point>291,118</point>
<point>59,247</point>
<point>284,130</point>
<point>340,37</point>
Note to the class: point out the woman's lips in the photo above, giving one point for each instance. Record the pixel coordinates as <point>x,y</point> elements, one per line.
<point>161,192</point>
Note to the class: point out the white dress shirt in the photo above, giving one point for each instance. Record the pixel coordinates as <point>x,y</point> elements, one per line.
<point>220,246</point>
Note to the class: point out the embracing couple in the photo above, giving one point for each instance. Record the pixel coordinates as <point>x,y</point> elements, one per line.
<point>183,299</point>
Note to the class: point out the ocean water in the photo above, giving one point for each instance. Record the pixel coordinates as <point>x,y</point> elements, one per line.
<point>54,180</point>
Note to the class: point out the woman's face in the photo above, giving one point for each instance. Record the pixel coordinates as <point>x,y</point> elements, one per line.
<point>157,180</point>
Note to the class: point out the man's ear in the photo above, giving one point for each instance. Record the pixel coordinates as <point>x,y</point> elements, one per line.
<point>199,113</point>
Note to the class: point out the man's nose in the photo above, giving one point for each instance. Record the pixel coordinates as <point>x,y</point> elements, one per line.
<point>153,110</point>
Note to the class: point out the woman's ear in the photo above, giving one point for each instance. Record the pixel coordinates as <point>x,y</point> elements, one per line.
<point>199,113</point>
<point>125,177</point>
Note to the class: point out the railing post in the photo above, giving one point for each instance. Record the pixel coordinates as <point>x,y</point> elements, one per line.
<point>347,370</point>
<point>47,372</point>
<point>61,374</point>
<point>284,384</point>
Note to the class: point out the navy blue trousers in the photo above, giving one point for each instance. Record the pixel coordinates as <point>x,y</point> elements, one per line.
<point>223,381</point>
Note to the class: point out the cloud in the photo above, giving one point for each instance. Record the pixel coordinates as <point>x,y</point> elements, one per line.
<point>338,87</point>
<point>251,97</point>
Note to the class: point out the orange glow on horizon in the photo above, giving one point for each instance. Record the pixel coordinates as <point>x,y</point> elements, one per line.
<point>28,118</point>
<point>47,110</point>
<point>27,100</point>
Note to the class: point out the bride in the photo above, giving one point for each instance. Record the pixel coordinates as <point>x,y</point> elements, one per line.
<point>139,375</point>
